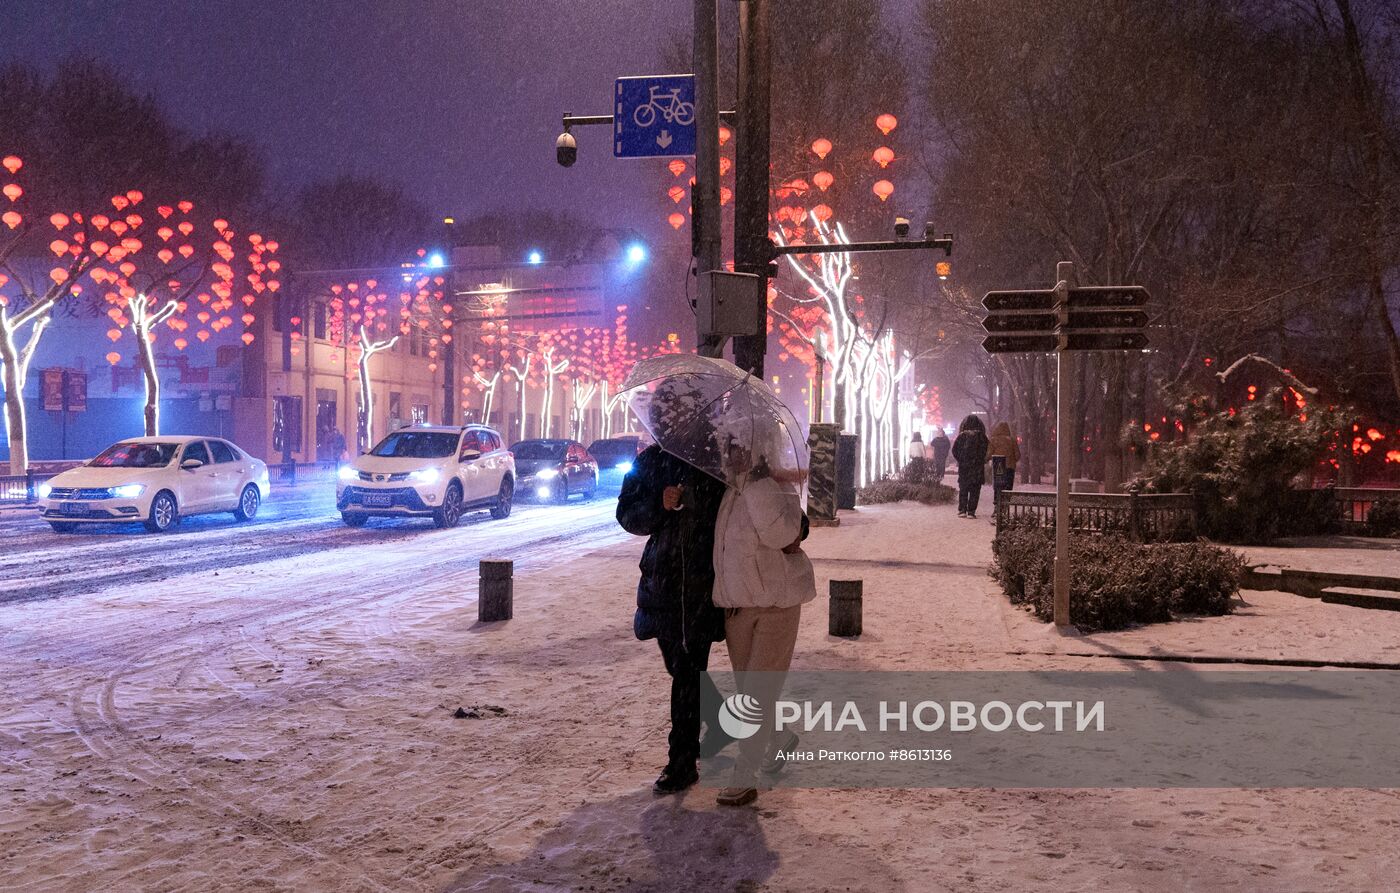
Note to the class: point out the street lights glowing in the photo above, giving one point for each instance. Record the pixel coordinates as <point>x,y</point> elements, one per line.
<point>636,253</point>
<point>435,260</point>
<point>534,257</point>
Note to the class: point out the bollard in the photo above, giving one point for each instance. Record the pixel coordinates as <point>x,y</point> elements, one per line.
<point>495,594</point>
<point>845,614</point>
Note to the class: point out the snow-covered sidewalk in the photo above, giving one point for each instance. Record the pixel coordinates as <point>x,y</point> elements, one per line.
<point>296,748</point>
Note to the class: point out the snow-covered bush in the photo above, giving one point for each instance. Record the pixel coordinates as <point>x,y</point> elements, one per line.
<point>927,491</point>
<point>1241,465</point>
<point>1115,583</point>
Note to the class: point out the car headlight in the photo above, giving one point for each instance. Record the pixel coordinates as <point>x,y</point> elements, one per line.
<point>43,490</point>
<point>542,492</point>
<point>426,476</point>
<point>624,467</point>
<point>547,474</point>
<point>128,491</point>
<point>348,473</point>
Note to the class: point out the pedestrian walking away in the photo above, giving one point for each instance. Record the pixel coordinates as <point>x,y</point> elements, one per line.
<point>674,506</point>
<point>918,458</point>
<point>970,449</point>
<point>1005,453</point>
<point>939,447</point>
<point>762,579</point>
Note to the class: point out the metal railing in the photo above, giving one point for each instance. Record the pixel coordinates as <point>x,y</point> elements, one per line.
<point>1354,504</point>
<point>18,489</point>
<point>1143,517</point>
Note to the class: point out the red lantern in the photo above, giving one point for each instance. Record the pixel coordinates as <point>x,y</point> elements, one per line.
<point>185,207</point>
<point>113,358</point>
<point>724,135</point>
<point>59,221</point>
<point>822,213</point>
<point>823,180</point>
<point>821,147</point>
<point>11,219</point>
<point>676,193</point>
<point>676,167</point>
<point>886,123</point>
<point>11,163</point>
<point>12,191</point>
<point>725,194</point>
<point>883,156</point>
<point>883,189</point>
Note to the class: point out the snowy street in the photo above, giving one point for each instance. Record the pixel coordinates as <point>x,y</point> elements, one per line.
<point>300,520</point>
<point>289,725</point>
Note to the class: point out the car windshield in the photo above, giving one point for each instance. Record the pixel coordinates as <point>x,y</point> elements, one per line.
<point>136,455</point>
<point>417,445</point>
<point>539,449</point>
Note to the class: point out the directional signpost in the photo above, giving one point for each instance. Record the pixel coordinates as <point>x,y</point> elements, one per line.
<point>654,117</point>
<point>1065,320</point>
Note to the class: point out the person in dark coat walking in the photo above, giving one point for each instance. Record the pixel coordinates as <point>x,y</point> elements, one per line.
<point>970,449</point>
<point>674,505</point>
<point>940,445</point>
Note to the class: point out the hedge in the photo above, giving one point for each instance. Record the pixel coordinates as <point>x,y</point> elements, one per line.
<point>1115,583</point>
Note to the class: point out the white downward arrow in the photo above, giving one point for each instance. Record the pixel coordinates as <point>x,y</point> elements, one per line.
<point>665,139</point>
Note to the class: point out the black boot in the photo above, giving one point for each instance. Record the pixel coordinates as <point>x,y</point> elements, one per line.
<point>674,779</point>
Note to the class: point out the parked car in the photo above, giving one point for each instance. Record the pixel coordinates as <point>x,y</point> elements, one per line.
<point>555,469</point>
<point>617,452</point>
<point>428,470</point>
<point>156,481</point>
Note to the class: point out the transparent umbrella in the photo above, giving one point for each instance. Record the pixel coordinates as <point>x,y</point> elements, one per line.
<point>718,418</point>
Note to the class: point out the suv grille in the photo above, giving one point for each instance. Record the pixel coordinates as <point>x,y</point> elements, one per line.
<point>393,478</point>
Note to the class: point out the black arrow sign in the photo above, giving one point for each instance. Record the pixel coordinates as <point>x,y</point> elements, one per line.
<point>1107,296</point>
<point>1019,322</point>
<point>1105,341</point>
<point>1011,301</point>
<point>1107,319</point>
<point>1019,343</point>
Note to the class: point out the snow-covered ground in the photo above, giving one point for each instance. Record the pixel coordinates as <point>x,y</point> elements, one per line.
<point>287,724</point>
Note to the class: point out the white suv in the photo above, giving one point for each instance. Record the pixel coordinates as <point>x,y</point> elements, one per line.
<point>427,470</point>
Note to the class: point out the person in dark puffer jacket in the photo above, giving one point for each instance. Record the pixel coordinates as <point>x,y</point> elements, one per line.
<point>674,505</point>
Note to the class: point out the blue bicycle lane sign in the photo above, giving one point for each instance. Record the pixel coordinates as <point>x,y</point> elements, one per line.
<point>654,116</point>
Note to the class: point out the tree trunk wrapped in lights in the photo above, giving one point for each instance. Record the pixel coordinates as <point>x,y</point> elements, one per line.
<point>368,348</point>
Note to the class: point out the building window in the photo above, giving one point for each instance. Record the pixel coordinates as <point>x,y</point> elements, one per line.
<point>420,413</point>
<point>319,319</point>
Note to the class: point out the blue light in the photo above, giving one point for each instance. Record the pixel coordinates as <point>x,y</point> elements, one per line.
<point>435,260</point>
<point>636,253</point>
<point>535,257</point>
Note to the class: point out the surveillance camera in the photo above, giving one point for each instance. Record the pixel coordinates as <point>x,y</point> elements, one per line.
<point>901,226</point>
<point>566,149</point>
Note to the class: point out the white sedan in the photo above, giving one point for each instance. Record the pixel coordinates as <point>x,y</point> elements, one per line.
<point>156,480</point>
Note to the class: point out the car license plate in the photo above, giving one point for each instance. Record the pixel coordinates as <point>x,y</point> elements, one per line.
<point>72,508</point>
<point>379,499</point>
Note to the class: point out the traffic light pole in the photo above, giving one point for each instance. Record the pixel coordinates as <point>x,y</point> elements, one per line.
<point>704,196</point>
<point>1065,362</point>
<point>751,245</point>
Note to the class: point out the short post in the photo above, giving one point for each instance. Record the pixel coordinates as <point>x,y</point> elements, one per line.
<point>495,594</point>
<point>28,484</point>
<point>845,617</point>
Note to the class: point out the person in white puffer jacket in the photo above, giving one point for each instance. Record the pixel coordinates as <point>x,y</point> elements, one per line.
<point>762,579</point>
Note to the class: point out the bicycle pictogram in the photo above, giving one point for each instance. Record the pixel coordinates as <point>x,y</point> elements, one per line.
<point>668,104</point>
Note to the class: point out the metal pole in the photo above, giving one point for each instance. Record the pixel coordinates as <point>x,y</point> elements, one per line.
<point>751,246</point>
<point>818,388</point>
<point>449,359</point>
<point>1064,456</point>
<point>704,196</point>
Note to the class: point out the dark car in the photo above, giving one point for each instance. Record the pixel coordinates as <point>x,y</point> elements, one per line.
<point>617,452</point>
<point>555,469</point>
